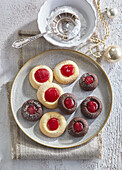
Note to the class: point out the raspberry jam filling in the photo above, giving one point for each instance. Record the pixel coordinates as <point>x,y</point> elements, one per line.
<point>42,75</point>
<point>89,80</point>
<point>52,94</point>
<point>53,123</point>
<point>67,70</point>
<point>69,102</point>
<point>92,106</point>
<point>31,109</point>
<point>78,126</point>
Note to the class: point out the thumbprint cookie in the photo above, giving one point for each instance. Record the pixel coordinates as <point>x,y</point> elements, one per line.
<point>39,75</point>
<point>48,94</point>
<point>88,81</point>
<point>52,124</point>
<point>66,72</point>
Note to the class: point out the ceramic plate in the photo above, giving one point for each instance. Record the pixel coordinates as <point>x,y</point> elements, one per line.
<point>22,91</point>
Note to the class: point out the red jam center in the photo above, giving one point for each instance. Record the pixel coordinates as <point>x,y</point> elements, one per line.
<point>42,75</point>
<point>89,80</point>
<point>32,109</point>
<point>53,123</point>
<point>52,94</point>
<point>92,106</point>
<point>67,70</point>
<point>78,126</point>
<point>69,103</point>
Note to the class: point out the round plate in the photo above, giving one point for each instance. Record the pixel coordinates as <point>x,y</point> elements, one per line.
<point>22,91</point>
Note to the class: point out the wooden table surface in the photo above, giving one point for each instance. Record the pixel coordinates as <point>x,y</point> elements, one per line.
<point>13,15</point>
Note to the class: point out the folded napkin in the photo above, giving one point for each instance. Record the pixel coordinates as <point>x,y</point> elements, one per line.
<point>22,146</point>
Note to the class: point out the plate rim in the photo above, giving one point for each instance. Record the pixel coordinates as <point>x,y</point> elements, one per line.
<point>80,53</point>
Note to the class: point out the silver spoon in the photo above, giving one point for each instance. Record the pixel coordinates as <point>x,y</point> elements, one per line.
<point>22,42</point>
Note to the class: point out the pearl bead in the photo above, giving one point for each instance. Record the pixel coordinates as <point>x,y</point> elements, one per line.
<point>113,54</point>
<point>112,12</point>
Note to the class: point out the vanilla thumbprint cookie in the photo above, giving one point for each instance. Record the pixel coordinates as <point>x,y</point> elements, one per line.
<point>48,94</point>
<point>52,124</point>
<point>39,75</point>
<point>66,72</point>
